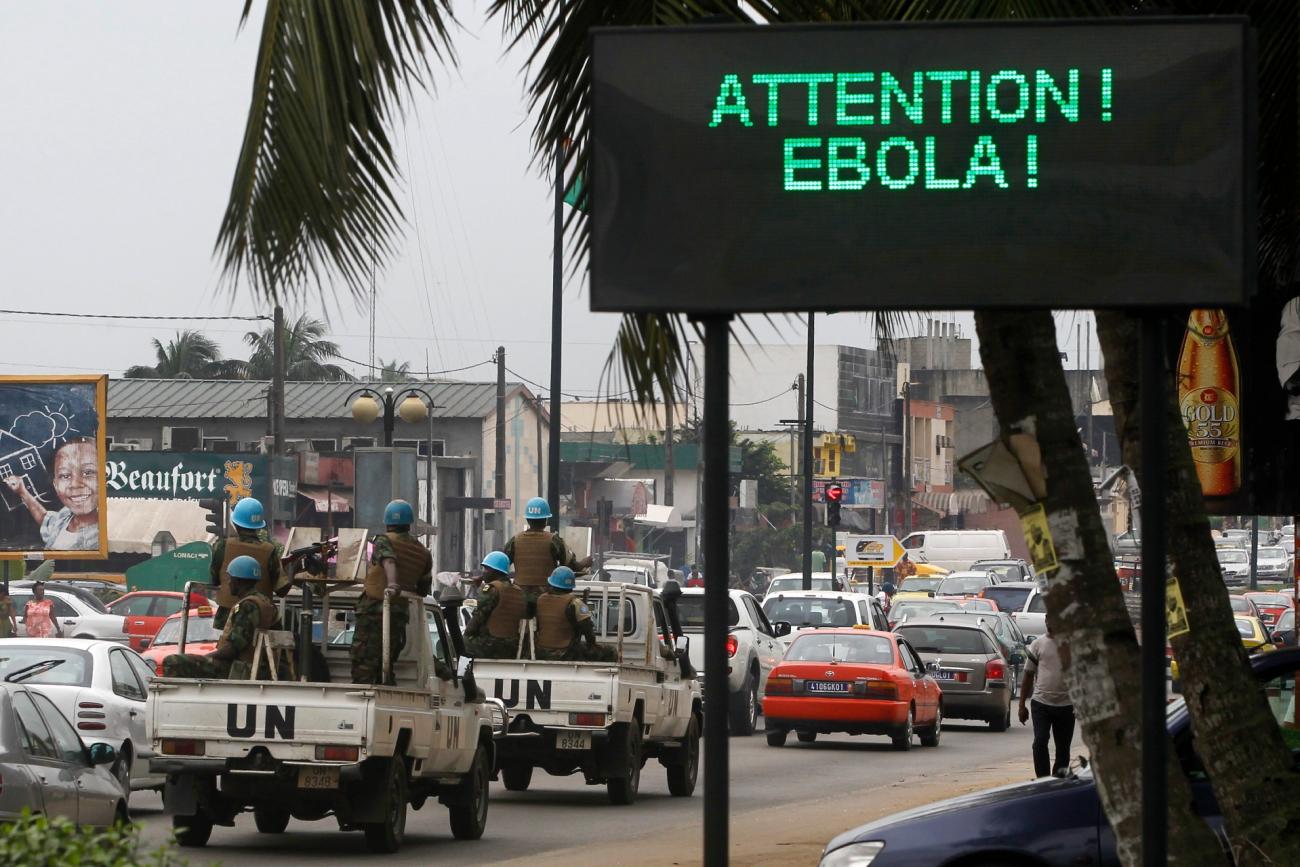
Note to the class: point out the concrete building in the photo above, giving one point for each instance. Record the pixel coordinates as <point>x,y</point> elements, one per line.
<point>620,421</point>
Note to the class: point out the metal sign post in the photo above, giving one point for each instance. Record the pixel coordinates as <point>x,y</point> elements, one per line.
<point>1155,807</point>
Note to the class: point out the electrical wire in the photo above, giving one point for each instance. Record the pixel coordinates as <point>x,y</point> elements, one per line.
<point>613,396</point>
<point>139,316</point>
<point>782,393</point>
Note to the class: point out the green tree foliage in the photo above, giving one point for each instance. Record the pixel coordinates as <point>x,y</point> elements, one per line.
<point>188,355</point>
<point>307,354</point>
<point>392,371</point>
<point>38,841</point>
<point>759,460</point>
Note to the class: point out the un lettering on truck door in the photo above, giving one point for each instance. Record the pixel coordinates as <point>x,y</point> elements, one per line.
<point>537,693</point>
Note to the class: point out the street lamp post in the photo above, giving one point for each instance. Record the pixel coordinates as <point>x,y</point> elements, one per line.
<point>368,404</point>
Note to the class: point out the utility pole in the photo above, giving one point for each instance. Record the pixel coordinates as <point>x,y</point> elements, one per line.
<point>796,434</point>
<point>557,325</point>
<point>1087,354</point>
<point>541,467</point>
<point>808,463</point>
<point>669,466</point>
<point>907,456</point>
<point>277,381</point>
<point>500,474</point>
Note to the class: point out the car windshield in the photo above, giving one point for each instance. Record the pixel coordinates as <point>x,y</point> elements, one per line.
<point>995,623</point>
<point>690,607</point>
<point>959,585</point>
<point>921,584</point>
<point>625,575</point>
<point>199,629</point>
<point>1272,553</point>
<point>794,583</point>
<point>1239,603</point>
<point>75,668</point>
<point>1232,555</point>
<point>1245,628</point>
<point>1270,599</point>
<point>1005,571</point>
<point>945,639</point>
<point>810,611</point>
<point>1286,621</point>
<point>908,608</point>
<point>812,647</point>
<point>978,604</point>
<point>1008,598</point>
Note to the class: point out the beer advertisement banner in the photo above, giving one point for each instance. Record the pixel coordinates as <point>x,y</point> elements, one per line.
<point>52,449</point>
<point>188,475</point>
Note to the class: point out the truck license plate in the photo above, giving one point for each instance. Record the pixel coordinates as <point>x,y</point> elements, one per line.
<point>318,778</point>
<point>573,740</point>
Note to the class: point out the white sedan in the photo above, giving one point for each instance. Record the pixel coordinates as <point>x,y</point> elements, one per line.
<point>76,614</point>
<point>100,687</point>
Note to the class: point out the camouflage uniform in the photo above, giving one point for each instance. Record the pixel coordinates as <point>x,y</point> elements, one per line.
<point>368,628</point>
<point>479,642</point>
<point>582,645</point>
<point>278,578</point>
<point>226,662</point>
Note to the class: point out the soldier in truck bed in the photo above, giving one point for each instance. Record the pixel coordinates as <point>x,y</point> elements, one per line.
<point>564,627</point>
<point>398,563</point>
<point>253,610</point>
<point>536,551</point>
<point>493,630</point>
<point>250,540</point>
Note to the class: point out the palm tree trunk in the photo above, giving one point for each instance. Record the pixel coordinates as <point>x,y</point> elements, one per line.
<point>1237,737</point>
<point>1085,608</point>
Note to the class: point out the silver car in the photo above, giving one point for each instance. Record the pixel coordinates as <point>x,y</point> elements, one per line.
<point>969,666</point>
<point>47,768</point>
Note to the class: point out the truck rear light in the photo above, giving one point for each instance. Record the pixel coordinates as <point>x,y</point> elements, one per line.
<point>995,670</point>
<point>587,719</point>
<point>780,684</point>
<point>182,747</point>
<point>325,753</point>
<point>879,689</point>
<point>733,644</point>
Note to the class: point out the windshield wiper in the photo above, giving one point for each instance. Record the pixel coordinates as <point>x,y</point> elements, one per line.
<point>32,670</point>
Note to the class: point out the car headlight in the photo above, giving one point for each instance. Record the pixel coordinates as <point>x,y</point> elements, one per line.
<point>853,855</point>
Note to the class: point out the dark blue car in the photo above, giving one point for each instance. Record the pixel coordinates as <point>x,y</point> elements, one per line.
<point>1045,823</point>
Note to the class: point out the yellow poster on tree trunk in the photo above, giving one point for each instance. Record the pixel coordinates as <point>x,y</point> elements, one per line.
<point>1038,536</point>
<point>1175,610</point>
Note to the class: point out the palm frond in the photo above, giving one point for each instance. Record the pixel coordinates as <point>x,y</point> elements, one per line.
<point>312,195</point>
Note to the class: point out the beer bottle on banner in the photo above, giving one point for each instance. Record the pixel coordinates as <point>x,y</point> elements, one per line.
<point>1209,396</point>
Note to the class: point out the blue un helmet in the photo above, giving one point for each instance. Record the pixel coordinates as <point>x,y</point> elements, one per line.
<point>244,568</point>
<point>497,561</point>
<point>248,514</point>
<point>561,578</point>
<point>399,513</point>
<point>537,509</point>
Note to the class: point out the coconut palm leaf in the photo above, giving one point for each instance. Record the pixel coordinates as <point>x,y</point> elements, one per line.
<point>308,356</point>
<point>188,355</point>
<point>312,195</point>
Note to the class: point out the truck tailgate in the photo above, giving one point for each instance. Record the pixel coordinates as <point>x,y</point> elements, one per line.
<point>547,692</point>
<point>231,717</point>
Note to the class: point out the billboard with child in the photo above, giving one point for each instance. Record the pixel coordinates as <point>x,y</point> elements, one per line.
<point>52,451</point>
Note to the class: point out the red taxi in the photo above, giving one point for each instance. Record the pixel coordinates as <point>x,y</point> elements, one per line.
<point>200,637</point>
<point>857,681</point>
<point>1271,605</point>
<point>144,612</point>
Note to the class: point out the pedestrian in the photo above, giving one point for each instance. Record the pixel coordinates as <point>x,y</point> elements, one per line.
<point>398,564</point>
<point>493,630</point>
<point>695,579</point>
<point>250,540</point>
<point>886,596</point>
<point>905,568</point>
<point>8,616</point>
<point>1043,686</point>
<point>564,627</point>
<point>536,552</point>
<point>233,658</point>
<point>39,615</point>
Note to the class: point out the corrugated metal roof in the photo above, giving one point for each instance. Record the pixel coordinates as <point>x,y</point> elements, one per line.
<point>213,399</point>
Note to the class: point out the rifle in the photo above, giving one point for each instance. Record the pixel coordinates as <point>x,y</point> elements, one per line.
<point>313,556</point>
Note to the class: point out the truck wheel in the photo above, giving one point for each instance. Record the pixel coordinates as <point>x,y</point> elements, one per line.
<point>683,773</point>
<point>517,777</point>
<point>386,837</point>
<point>192,830</point>
<point>744,709</point>
<point>468,819</point>
<point>271,820</point>
<point>623,788</point>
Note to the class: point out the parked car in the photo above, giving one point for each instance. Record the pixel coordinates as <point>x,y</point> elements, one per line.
<point>78,616</point>
<point>1010,595</point>
<point>794,581</point>
<point>47,768</point>
<point>918,587</point>
<point>956,549</point>
<point>1238,537</point>
<point>977,603</point>
<point>816,609</point>
<point>969,666</point>
<point>200,637</point>
<point>857,681</point>
<point>1006,570</point>
<point>1047,822</point>
<point>144,611</point>
<point>99,686</point>
<point>965,583</point>
<point>1270,605</point>
<point>1032,619</point>
<point>1254,637</point>
<point>1010,639</point>
<point>103,590</point>
<point>1244,605</point>
<point>1284,632</point>
<point>1274,563</point>
<point>88,595</point>
<point>1234,563</point>
<point>913,609</point>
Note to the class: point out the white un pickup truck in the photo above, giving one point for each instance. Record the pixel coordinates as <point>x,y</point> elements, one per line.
<point>308,750</point>
<point>603,719</point>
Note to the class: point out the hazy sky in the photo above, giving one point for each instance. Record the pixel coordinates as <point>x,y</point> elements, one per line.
<point>121,125</point>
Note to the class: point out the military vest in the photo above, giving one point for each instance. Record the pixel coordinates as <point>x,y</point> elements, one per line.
<point>503,622</point>
<point>554,632</point>
<point>413,562</point>
<point>534,560</point>
<point>267,617</point>
<point>262,552</point>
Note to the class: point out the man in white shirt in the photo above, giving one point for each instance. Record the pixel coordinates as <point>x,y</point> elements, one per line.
<point>1050,705</point>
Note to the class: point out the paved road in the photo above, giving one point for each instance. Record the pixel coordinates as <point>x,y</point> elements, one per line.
<point>562,812</point>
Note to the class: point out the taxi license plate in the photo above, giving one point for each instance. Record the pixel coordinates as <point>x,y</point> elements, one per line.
<point>828,686</point>
<point>318,778</point>
<point>944,674</point>
<point>573,740</point>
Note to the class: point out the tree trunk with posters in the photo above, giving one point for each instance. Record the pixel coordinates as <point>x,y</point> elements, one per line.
<point>1085,608</point>
<point>1238,739</point>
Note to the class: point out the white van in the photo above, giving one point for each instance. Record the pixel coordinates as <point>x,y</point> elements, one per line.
<point>956,550</point>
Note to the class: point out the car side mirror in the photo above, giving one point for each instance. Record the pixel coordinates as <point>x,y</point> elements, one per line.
<point>930,593</point>
<point>102,754</point>
<point>781,628</point>
<point>145,642</point>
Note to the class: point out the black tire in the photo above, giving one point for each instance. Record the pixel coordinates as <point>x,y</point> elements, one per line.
<point>517,777</point>
<point>122,771</point>
<point>1003,722</point>
<point>469,818</point>
<point>623,788</point>
<point>744,708</point>
<point>930,736</point>
<point>192,831</point>
<point>776,737</point>
<point>683,774</point>
<point>386,837</point>
<point>806,737</point>
<point>271,820</point>
<point>903,737</point>
<point>121,816</point>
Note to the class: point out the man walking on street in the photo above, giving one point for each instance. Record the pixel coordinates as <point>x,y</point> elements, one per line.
<point>1044,688</point>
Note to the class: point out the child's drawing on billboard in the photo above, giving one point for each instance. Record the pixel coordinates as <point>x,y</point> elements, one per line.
<point>51,462</point>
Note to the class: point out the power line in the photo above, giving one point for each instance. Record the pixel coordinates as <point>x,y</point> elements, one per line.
<point>613,396</point>
<point>135,316</point>
<point>782,393</point>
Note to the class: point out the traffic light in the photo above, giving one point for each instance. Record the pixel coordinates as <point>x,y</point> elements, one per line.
<point>834,496</point>
<point>216,509</point>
